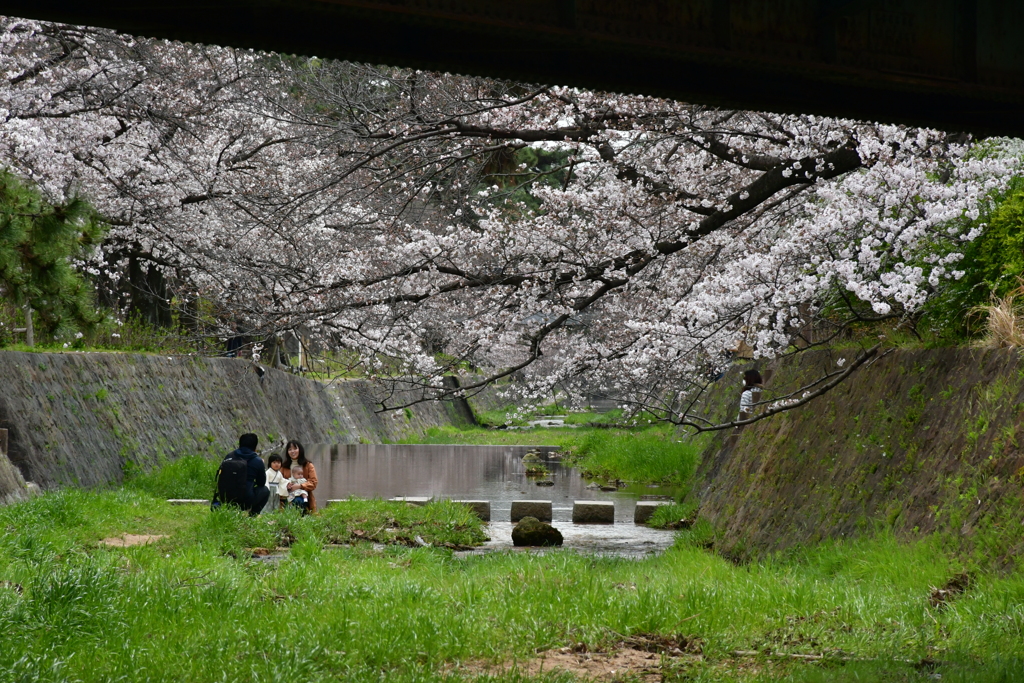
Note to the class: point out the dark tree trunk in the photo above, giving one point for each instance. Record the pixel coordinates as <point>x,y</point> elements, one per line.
<point>148,291</point>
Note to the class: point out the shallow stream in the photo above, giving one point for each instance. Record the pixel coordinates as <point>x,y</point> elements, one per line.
<point>493,473</point>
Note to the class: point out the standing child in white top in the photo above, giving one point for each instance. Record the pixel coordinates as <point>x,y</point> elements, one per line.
<point>276,482</point>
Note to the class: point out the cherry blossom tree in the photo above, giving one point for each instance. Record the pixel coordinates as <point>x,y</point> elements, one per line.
<point>161,136</point>
<point>437,224</point>
<point>675,232</point>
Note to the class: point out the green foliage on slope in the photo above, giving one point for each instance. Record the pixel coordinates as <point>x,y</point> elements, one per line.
<point>993,267</point>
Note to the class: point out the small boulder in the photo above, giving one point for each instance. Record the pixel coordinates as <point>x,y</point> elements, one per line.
<point>530,532</point>
<point>546,482</point>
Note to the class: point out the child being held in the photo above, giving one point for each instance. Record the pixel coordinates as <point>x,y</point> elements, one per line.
<point>298,496</point>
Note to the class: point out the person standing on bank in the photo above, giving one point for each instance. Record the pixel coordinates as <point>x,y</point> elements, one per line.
<point>752,385</point>
<point>294,453</point>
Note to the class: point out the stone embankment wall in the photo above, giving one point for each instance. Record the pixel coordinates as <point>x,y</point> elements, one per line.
<point>917,441</point>
<point>83,419</point>
<point>12,484</point>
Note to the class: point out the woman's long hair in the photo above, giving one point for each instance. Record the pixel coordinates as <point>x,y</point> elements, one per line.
<point>288,459</point>
<point>750,378</point>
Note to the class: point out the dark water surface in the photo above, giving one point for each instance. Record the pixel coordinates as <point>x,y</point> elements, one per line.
<point>493,473</point>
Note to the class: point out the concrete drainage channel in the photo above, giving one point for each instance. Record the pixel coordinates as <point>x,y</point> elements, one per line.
<point>583,511</point>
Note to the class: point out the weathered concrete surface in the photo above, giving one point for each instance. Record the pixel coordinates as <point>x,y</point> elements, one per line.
<point>480,508</point>
<point>85,418</point>
<point>645,509</point>
<point>918,441</point>
<point>541,509</point>
<point>593,512</point>
<point>12,484</point>
<point>418,501</point>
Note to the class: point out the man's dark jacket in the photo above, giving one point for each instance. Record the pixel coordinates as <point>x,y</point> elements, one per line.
<point>255,474</point>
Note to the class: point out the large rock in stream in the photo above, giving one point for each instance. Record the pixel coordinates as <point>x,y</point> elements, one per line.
<point>530,531</point>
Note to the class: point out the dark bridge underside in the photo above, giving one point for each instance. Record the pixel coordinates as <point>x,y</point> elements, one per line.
<point>953,64</point>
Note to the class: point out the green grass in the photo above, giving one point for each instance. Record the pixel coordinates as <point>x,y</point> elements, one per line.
<point>667,515</point>
<point>499,416</point>
<point>609,418</point>
<point>131,335</point>
<point>509,416</point>
<point>441,523</point>
<point>653,454</point>
<point>500,437</point>
<point>192,476</point>
<point>196,607</point>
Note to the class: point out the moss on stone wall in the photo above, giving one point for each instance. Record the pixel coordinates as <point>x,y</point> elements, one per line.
<point>917,442</point>
<point>84,419</point>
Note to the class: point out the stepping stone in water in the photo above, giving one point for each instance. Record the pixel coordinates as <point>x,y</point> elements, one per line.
<point>645,508</point>
<point>481,508</point>
<point>593,512</point>
<point>540,509</point>
<point>412,500</point>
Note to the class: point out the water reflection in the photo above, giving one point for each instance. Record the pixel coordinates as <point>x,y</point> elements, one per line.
<point>493,473</point>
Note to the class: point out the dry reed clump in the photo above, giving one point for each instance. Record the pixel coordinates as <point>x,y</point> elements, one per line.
<point>1004,321</point>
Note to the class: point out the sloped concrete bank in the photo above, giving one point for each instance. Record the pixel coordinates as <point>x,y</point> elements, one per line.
<point>12,485</point>
<point>918,441</point>
<point>82,419</point>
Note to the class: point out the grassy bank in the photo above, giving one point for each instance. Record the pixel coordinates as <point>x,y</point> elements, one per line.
<point>651,454</point>
<point>196,606</point>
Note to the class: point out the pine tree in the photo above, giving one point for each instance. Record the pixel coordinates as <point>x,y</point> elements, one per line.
<point>39,243</point>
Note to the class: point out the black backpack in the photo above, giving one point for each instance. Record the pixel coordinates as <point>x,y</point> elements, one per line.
<point>231,481</point>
